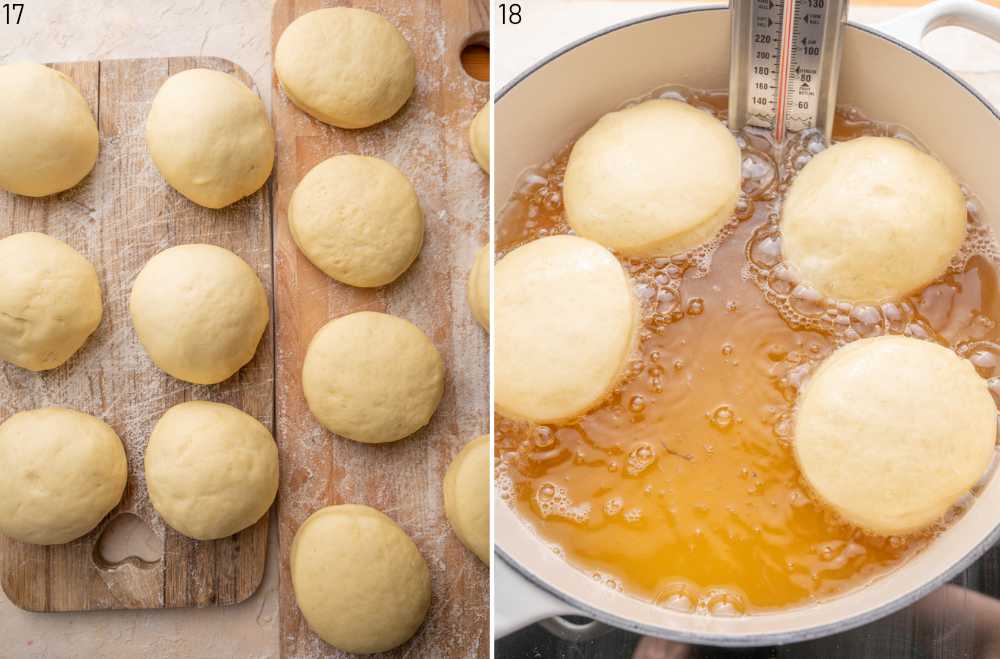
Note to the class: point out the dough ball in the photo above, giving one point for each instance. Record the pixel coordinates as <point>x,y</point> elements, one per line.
<point>479,137</point>
<point>357,219</point>
<point>656,179</point>
<point>467,494</point>
<point>199,311</point>
<point>347,67</point>
<point>211,469</point>
<point>48,136</point>
<point>372,377</point>
<point>210,137</point>
<point>892,431</point>
<point>478,290</point>
<point>565,321</point>
<point>359,580</point>
<point>50,301</point>
<point>872,219</point>
<point>63,471</point>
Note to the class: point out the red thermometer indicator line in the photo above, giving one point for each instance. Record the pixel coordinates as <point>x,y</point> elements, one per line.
<point>785,65</point>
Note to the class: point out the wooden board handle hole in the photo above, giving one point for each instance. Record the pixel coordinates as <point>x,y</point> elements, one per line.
<point>127,539</point>
<point>476,56</point>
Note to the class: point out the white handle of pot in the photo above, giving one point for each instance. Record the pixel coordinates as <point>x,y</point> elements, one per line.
<point>913,26</point>
<point>518,603</point>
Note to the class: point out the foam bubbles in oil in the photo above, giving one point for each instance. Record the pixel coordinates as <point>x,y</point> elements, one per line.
<point>682,488</point>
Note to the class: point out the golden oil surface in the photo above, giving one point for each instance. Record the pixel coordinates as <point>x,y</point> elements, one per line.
<point>682,487</point>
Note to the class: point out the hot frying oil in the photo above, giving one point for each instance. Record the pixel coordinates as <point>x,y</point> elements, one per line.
<point>682,487</point>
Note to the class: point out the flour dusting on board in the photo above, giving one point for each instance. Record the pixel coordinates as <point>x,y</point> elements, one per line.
<point>119,217</point>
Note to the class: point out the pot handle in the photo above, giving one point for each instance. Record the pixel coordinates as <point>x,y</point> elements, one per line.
<point>911,27</point>
<point>518,603</point>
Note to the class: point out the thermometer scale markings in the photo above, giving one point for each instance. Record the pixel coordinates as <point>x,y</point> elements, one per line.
<point>785,57</point>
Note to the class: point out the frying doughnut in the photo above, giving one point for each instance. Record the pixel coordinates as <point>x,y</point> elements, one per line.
<point>892,431</point>
<point>872,219</point>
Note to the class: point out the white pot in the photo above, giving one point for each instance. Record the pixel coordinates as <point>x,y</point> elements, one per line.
<point>557,100</point>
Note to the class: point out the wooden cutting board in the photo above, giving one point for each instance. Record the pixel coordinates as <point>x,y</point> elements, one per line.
<point>121,215</point>
<point>427,141</point>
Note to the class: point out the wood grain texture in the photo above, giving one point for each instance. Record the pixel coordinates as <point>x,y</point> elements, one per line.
<point>427,141</point>
<point>121,215</point>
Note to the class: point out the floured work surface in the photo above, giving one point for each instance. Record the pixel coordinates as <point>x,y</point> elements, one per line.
<point>428,141</point>
<point>119,217</point>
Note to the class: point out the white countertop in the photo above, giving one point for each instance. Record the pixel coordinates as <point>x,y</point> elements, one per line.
<point>548,25</point>
<point>239,30</point>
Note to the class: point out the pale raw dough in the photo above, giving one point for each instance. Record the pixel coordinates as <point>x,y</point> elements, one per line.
<point>479,137</point>
<point>872,219</point>
<point>199,311</point>
<point>357,219</point>
<point>655,179</point>
<point>48,136</point>
<point>211,469</point>
<point>50,301</point>
<point>63,471</point>
<point>478,288</point>
<point>467,494</point>
<point>372,377</point>
<point>892,431</point>
<point>347,67</point>
<point>210,137</point>
<point>358,579</point>
<point>565,319</point>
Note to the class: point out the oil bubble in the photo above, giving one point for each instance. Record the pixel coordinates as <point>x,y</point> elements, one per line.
<point>666,301</point>
<point>765,248</point>
<point>543,437</point>
<point>807,301</point>
<point>633,515</point>
<point>640,458</point>
<point>613,506</point>
<point>866,320</point>
<point>759,173</point>
<point>676,597</point>
<point>984,355</point>
<point>780,280</point>
<point>723,603</point>
<point>636,404</point>
<point>784,426</point>
<point>897,316</point>
<point>554,501</point>
<point>722,417</point>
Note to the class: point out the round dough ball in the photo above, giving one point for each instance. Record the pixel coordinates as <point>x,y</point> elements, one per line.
<point>372,377</point>
<point>357,219</point>
<point>565,321</point>
<point>50,301</point>
<point>359,580</point>
<point>655,179</point>
<point>479,137</point>
<point>347,67</point>
<point>211,469</point>
<point>872,219</point>
<point>209,136</point>
<point>63,471</point>
<point>467,496</point>
<point>478,289</point>
<point>892,431</point>
<point>48,136</point>
<point>199,311</point>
